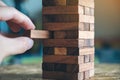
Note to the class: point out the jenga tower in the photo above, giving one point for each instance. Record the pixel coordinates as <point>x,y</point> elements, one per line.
<point>69,53</point>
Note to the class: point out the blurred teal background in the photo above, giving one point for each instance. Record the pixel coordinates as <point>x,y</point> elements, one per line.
<point>107,28</point>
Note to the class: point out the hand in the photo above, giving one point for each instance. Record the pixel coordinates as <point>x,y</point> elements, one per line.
<point>15,20</point>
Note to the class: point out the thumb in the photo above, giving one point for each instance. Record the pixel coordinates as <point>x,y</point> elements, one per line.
<point>12,46</point>
<point>20,45</point>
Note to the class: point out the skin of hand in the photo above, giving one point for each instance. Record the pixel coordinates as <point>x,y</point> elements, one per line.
<point>16,21</point>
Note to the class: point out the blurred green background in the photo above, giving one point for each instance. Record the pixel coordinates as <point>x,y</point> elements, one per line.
<point>107,28</point>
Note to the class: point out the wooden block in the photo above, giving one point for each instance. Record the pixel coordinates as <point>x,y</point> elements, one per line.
<point>86,66</point>
<point>86,74</point>
<point>68,26</point>
<point>92,73</point>
<point>68,43</point>
<point>68,18</point>
<point>86,18</point>
<point>92,27</point>
<point>68,68</point>
<point>87,11</point>
<point>73,34</point>
<point>81,51</point>
<point>61,18</point>
<point>62,75</point>
<point>54,51</point>
<point>37,34</point>
<point>79,68</point>
<point>92,11</point>
<point>61,26</point>
<point>92,57</point>
<point>89,42</point>
<point>87,58</point>
<point>63,10</point>
<point>54,2</point>
<point>54,67</point>
<point>86,43</point>
<point>48,67</point>
<point>61,43</point>
<point>48,50</point>
<point>81,26</point>
<point>60,67</point>
<point>62,59</point>
<point>66,34</point>
<point>86,27</point>
<point>86,35</point>
<point>70,51</point>
<point>87,51</point>
<point>60,51</point>
<point>73,68</point>
<point>88,3</point>
<point>81,9</point>
<point>73,51</point>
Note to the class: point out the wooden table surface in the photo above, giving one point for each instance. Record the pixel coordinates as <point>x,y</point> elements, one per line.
<point>34,72</point>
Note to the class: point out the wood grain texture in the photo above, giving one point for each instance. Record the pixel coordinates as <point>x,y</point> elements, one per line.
<point>54,2</point>
<point>80,68</point>
<point>88,3</point>
<point>61,26</point>
<point>86,18</point>
<point>86,34</point>
<point>68,26</point>
<point>62,75</point>
<point>68,76</point>
<point>63,10</point>
<point>68,68</point>
<point>68,43</point>
<point>60,51</point>
<point>70,51</point>
<point>87,51</point>
<point>71,34</point>
<point>74,34</point>
<point>86,66</point>
<point>91,72</point>
<point>63,59</point>
<point>68,18</point>
<point>83,43</point>
<point>87,11</point>
<point>60,43</point>
<point>81,51</point>
<point>54,67</point>
<point>37,34</point>
<point>87,74</point>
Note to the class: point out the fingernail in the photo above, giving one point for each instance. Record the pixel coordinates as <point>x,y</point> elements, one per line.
<point>30,43</point>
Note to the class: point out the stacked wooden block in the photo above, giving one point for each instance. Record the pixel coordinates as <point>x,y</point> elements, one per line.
<point>69,53</point>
